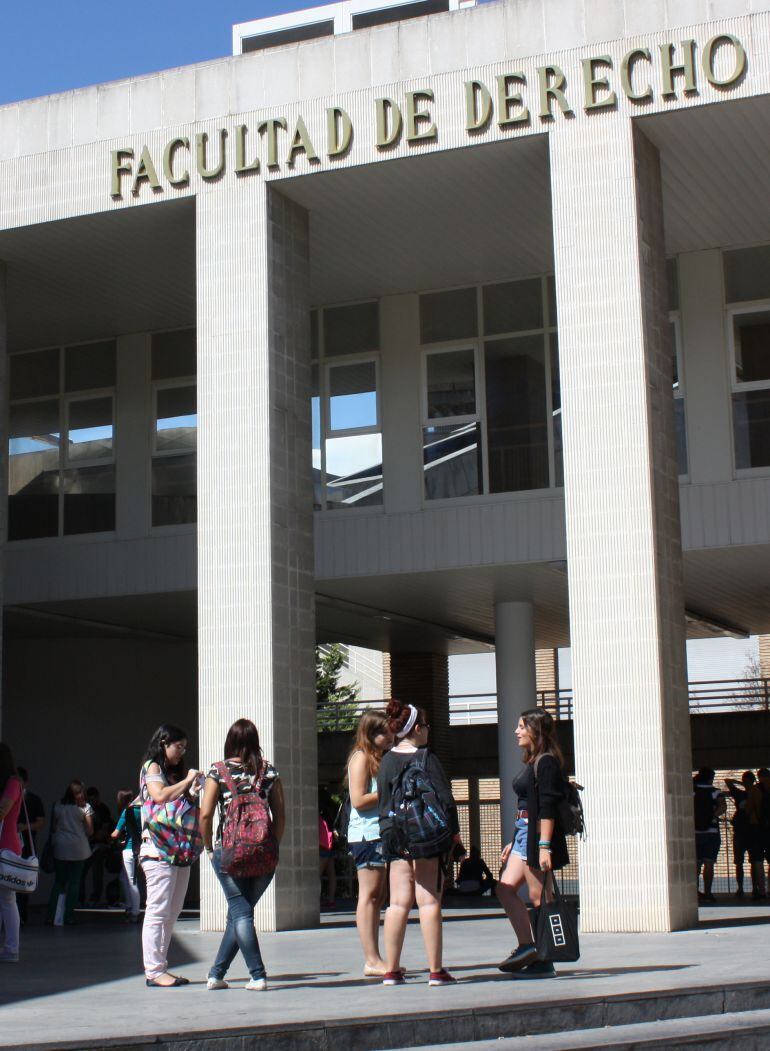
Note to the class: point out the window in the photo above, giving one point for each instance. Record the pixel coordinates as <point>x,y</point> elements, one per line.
<point>175,428</point>
<point>61,441</point>
<point>747,290</point>
<point>677,375</point>
<point>491,403</point>
<point>345,407</point>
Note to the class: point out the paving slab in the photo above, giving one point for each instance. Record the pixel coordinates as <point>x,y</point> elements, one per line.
<point>82,986</point>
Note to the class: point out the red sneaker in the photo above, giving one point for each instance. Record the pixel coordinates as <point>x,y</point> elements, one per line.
<point>442,977</point>
<point>393,978</point>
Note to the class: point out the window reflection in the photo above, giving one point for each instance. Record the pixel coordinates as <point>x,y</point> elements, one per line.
<point>176,419</point>
<point>751,423</point>
<point>517,428</point>
<point>89,436</point>
<point>452,460</point>
<point>451,380</point>
<point>354,471</point>
<point>33,470</point>
<point>315,422</point>
<point>353,396</point>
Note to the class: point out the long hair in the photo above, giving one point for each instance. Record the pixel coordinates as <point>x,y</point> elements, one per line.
<point>242,743</point>
<point>398,715</point>
<point>541,728</point>
<point>7,765</point>
<point>370,725</point>
<point>167,733</point>
<point>124,799</point>
<point>73,789</point>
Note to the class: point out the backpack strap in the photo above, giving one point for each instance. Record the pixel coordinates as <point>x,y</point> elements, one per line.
<point>227,777</point>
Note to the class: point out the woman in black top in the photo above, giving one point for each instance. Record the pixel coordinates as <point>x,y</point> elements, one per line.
<point>421,877</point>
<point>539,844</point>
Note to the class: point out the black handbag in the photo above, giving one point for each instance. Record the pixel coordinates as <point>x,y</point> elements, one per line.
<point>556,934</point>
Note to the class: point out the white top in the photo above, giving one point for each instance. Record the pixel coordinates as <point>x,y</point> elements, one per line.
<point>364,825</point>
<point>69,839</point>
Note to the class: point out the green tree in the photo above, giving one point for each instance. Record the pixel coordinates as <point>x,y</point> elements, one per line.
<point>334,700</point>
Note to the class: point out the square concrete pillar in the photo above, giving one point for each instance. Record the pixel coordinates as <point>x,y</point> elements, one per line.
<point>632,735</point>
<point>256,632</point>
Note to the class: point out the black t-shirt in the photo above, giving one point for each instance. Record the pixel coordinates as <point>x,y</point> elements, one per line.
<point>35,810</point>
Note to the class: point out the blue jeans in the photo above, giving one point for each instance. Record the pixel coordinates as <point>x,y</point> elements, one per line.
<point>242,895</point>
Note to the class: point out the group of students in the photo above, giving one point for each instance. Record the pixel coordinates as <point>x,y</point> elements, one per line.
<point>171,821</point>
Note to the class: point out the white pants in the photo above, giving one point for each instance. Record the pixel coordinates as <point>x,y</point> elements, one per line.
<point>9,923</point>
<point>166,889</point>
<point>130,889</point>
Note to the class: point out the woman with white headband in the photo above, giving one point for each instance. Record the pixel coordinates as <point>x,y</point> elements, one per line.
<point>422,877</point>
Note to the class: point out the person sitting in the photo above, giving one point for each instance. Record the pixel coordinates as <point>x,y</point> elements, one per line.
<point>474,876</point>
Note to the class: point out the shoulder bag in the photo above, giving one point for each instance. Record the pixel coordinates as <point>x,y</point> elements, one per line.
<point>17,873</point>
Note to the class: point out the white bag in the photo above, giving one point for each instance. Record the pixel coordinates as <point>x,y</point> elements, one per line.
<point>17,873</point>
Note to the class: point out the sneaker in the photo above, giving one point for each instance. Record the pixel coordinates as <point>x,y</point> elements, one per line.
<point>393,978</point>
<point>216,983</point>
<point>538,969</point>
<point>259,985</point>
<point>520,957</point>
<point>442,977</point>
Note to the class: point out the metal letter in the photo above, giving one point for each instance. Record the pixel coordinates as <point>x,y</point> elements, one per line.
<point>625,75</point>
<point>168,163</point>
<point>200,155</point>
<point>119,167</point>
<point>594,83</point>
<point>550,91</point>
<point>339,131</point>
<point>271,126</point>
<point>477,117</point>
<point>415,116</point>
<point>241,167</point>
<point>387,135</point>
<point>708,60</point>
<point>505,100</point>
<point>145,172</point>
<point>301,143</point>
<point>668,69</point>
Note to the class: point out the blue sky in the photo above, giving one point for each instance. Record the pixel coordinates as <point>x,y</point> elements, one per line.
<point>49,47</point>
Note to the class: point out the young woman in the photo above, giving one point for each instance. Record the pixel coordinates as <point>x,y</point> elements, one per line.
<point>72,823</point>
<point>424,877</point>
<point>373,738</point>
<point>129,830</point>
<point>247,771</point>
<point>163,778</point>
<point>11,790</point>
<point>539,846</point>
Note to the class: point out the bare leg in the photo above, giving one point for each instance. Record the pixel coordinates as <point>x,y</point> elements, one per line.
<point>508,895</point>
<point>428,889</point>
<point>739,875</point>
<point>401,901</point>
<point>371,883</point>
<point>708,876</point>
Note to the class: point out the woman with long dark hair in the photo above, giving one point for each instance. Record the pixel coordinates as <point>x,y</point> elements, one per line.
<point>163,779</point>
<point>539,845</point>
<point>11,793</point>
<point>246,790</point>
<point>72,824</point>
<point>373,739</point>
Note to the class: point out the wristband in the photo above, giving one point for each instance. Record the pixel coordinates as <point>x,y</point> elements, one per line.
<point>544,843</point>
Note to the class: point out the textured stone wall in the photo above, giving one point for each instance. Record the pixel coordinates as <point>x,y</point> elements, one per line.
<point>547,669</point>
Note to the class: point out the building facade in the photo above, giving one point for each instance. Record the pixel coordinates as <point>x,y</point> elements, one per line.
<point>429,336</point>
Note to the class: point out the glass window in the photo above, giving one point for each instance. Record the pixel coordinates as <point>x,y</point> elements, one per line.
<point>353,396</point>
<point>176,419</point>
<point>174,490</point>
<point>451,383</point>
<point>516,306</point>
<point>751,423</point>
<point>35,374</point>
<point>174,354</point>
<point>751,339</point>
<point>89,499</point>
<point>352,329</point>
<point>89,435</point>
<point>681,435</point>
<point>517,425</point>
<point>315,423</point>
<point>33,470</point>
<point>747,274</point>
<point>90,366</point>
<point>558,447</point>
<point>552,316</point>
<point>354,471</point>
<point>452,460</point>
<point>447,316</point>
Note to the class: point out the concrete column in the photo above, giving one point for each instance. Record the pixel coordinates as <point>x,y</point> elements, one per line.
<point>401,386</point>
<point>632,736</point>
<point>134,500</point>
<point>422,679</point>
<point>256,631</point>
<point>516,691</point>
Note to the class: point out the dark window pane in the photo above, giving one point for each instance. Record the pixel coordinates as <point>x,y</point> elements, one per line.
<point>174,490</point>
<point>176,424</point>
<point>351,330</point>
<point>452,461</point>
<point>90,366</point>
<point>89,500</point>
<point>173,354</point>
<point>315,416</point>
<point>751,333</point>
<point>681,435</point>
<point>446,316</point>
<point>90,430</point>
<point>558,448</point>
<point>451,381</point>
<point>33,470</point>
<point>747,274</point>
<point>552,315</point>
<point>35,374</point>
<point>354,471</point>
<point>516,306</point>
<point>517,431</point>
<point>751,427</point>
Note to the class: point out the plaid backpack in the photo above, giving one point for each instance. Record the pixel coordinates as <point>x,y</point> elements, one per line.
<point>249,844</point>
<point>172,827</point>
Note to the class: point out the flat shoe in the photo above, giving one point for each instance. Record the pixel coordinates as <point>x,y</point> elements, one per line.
<point>171,985</point>
<point>370,972</point>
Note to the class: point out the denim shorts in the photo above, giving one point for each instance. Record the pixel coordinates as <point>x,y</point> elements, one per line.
<point>367,854</point>
<point>519,847</point>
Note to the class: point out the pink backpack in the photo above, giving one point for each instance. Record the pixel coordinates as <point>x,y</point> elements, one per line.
<point>249,844</point>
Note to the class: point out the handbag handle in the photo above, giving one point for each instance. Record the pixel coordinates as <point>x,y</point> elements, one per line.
<point>557,894</point>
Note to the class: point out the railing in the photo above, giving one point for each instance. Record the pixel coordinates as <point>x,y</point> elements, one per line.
<point>468,709</point>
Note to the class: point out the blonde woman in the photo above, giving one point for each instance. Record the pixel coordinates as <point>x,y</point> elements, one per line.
<point>373,739</point>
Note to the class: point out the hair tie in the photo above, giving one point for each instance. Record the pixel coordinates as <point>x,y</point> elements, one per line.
<point>409,724</point>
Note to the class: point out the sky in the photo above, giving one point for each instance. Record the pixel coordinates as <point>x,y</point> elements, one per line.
<point>54,46</point>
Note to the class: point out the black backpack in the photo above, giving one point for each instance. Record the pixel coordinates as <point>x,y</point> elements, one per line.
<point>342,820</point>
<point>570,813</point>
<point>705,808</point>
<point>420,826</point>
